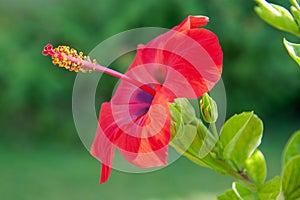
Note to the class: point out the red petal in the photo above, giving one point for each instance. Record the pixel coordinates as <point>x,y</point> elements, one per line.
<point>192,22</point>
<point>151,132</point>
<point>209,41</point>
<point>192,59</point>
<point>105,172</point>
<point>103,148</point>
<point>142,141</point>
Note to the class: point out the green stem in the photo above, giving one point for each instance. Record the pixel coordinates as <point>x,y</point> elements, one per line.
<point>214,163</point>
<point>214,130</point>
<point>223,168</point>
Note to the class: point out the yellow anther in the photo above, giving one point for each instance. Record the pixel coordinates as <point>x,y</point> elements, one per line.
<point>67,57</point>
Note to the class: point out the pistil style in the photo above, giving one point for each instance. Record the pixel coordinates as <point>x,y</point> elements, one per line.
<point>69,58</point>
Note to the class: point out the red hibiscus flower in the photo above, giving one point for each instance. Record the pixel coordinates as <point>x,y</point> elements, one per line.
<point>183,62</point>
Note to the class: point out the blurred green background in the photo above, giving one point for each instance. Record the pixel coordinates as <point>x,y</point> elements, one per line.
<point>41,155</point>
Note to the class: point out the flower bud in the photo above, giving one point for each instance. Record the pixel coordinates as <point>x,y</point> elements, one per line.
<point>176,120</point>
<point>208,109</point>
<point>186,109</point>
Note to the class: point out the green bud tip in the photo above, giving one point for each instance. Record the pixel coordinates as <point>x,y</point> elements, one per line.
<point>208,109</point>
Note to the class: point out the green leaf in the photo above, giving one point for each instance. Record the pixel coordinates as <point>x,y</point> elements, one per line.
<point>291,179</point>
<point>228,195</point>
<point>239,138</point>
<point>270,190</point>
<point>243,192</point>
<point>293,49</point>
<point>296,14</point>
<point>277,16</point>
<point>256,167</point>
<point>208,142</point>
<point>292,147</point>
<point>295,4</point>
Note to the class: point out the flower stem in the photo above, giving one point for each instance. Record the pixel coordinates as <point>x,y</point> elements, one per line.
<point>214,130</point>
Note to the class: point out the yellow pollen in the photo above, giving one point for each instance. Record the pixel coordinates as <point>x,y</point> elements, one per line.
<point>68,58</point>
